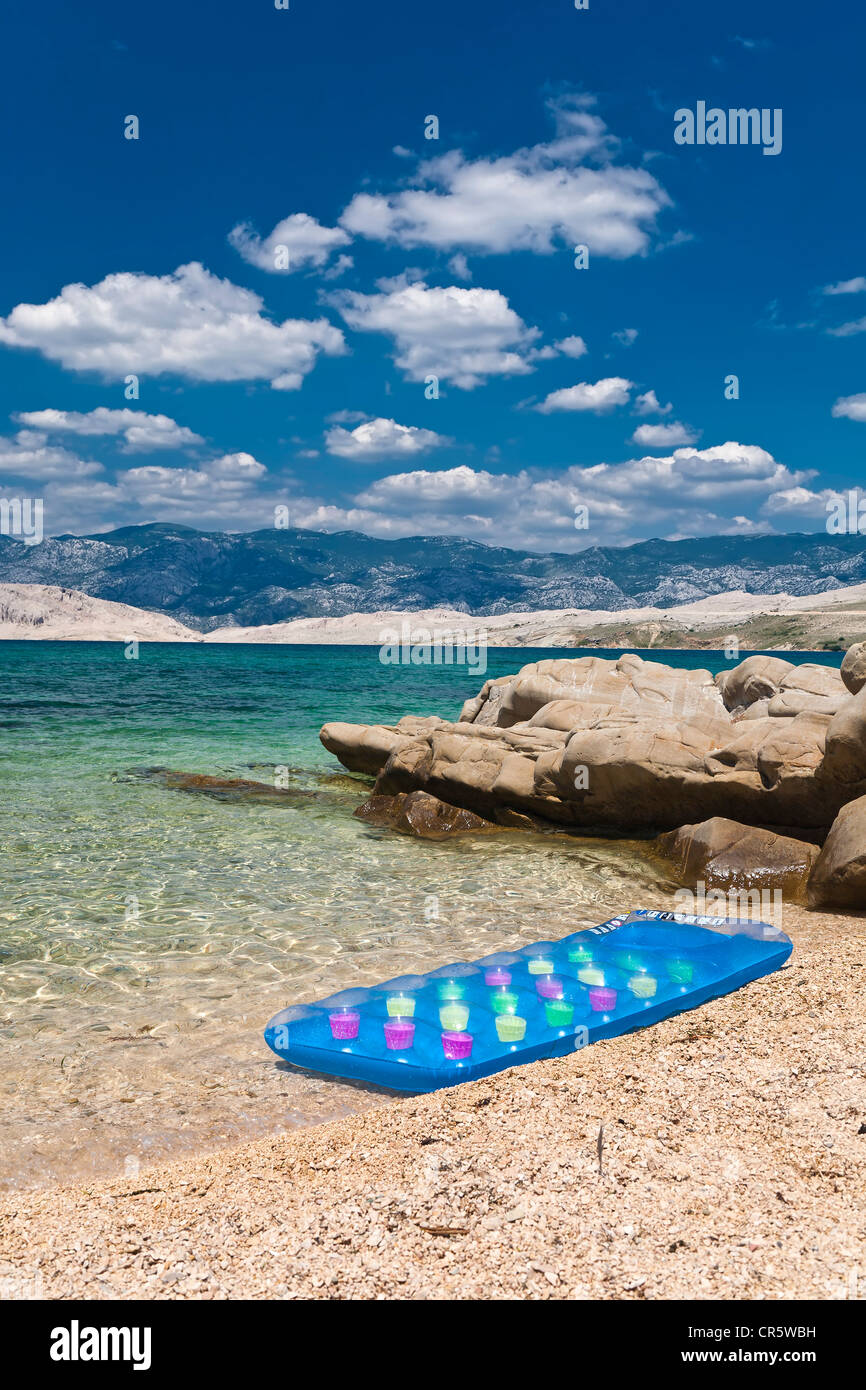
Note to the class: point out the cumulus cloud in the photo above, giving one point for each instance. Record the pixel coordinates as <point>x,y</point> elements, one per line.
<point>560,193</point>
<point>730,488</point>
<point>800,505</point>
<point>597,396</point>
<point>456,334</point>
<point>188,324</point>
<point>295,243</point>
<point>229,492</point>
<point>572,346</point>
<point>30,456</point>
<point>141,432</point>
<point>228,476</point>
<point>664,436</point>
<point>851,407</point>
<point>649,404</point>
<point>625,336</point>
<point>381,439</point>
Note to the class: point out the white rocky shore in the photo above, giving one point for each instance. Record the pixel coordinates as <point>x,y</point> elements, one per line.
<point>33,611</point>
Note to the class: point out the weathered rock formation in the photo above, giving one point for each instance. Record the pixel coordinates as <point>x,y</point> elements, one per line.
<point>722,854</point>
<point>853,670</point>
<point>632,745</point>
<point>839,876</point>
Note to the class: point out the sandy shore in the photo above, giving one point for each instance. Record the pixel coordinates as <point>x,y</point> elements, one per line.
<point>733,1165</point>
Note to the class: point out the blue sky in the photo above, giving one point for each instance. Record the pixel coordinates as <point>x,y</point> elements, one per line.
<point>453,257</point>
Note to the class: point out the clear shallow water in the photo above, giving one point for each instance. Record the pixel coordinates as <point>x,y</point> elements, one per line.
<point>147,934</point>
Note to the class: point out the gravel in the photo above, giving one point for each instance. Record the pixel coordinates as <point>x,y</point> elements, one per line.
<point>718,1155</point>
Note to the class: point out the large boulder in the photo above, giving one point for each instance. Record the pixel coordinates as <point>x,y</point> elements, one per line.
<point>569,694</point>
<point>853,672</point>
<point>756,678</point>
<point>838,878</point>
<point>366,747</point>
<point>809,688</point>
<point>725,854</point>
<point>845,755</point>
<point>626,745</point>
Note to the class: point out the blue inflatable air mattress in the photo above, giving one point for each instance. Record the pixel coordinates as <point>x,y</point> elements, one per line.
<point>469,1019</point>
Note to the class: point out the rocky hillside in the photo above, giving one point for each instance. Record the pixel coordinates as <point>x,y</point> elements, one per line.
<point>43,611</point>
<point>208,580</point>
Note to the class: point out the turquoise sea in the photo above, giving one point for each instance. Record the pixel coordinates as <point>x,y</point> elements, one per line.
<point>147,934</point>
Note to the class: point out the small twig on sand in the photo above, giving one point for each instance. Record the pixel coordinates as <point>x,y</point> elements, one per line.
<point>599,1145</point>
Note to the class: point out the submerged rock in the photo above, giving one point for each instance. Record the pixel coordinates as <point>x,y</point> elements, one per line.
<point>223,788</point>
<point>418,813</point>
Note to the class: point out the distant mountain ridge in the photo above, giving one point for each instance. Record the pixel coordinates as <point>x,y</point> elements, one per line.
<point>208,580</point>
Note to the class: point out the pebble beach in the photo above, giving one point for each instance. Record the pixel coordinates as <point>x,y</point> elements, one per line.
<point>718,1155</point>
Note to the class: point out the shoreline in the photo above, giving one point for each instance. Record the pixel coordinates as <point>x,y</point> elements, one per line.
<point>830,621</point>
<point>733,1166</point>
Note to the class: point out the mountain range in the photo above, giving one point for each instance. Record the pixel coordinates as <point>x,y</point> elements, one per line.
<point>209,580</point>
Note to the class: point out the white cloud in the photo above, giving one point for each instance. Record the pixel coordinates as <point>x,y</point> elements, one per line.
<point>346,417</point>
<point>799,504</point>
<point>855,286</point>
<point>141,432</point>
<point>228,476</point>
<point>598,396</point>
<point>188,324</point>
<point>625,336</point>
<point>847,330</point>
<point>459,266</point>
<point>572,347</point>
<point>663,436</point>
<point>649,404</point>
<point>229,492</point>
<point>457,334</point>
<point>730,489</point>
<point>234,468</point>
<point>340,266</point>
<point>381,439</point>
<point>560,193</point>
<point>851,407</point>
<point>29,455</point>
<point>299,239</point>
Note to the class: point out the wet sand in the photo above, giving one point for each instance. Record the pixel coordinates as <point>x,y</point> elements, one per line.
<point>732,1164</point>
